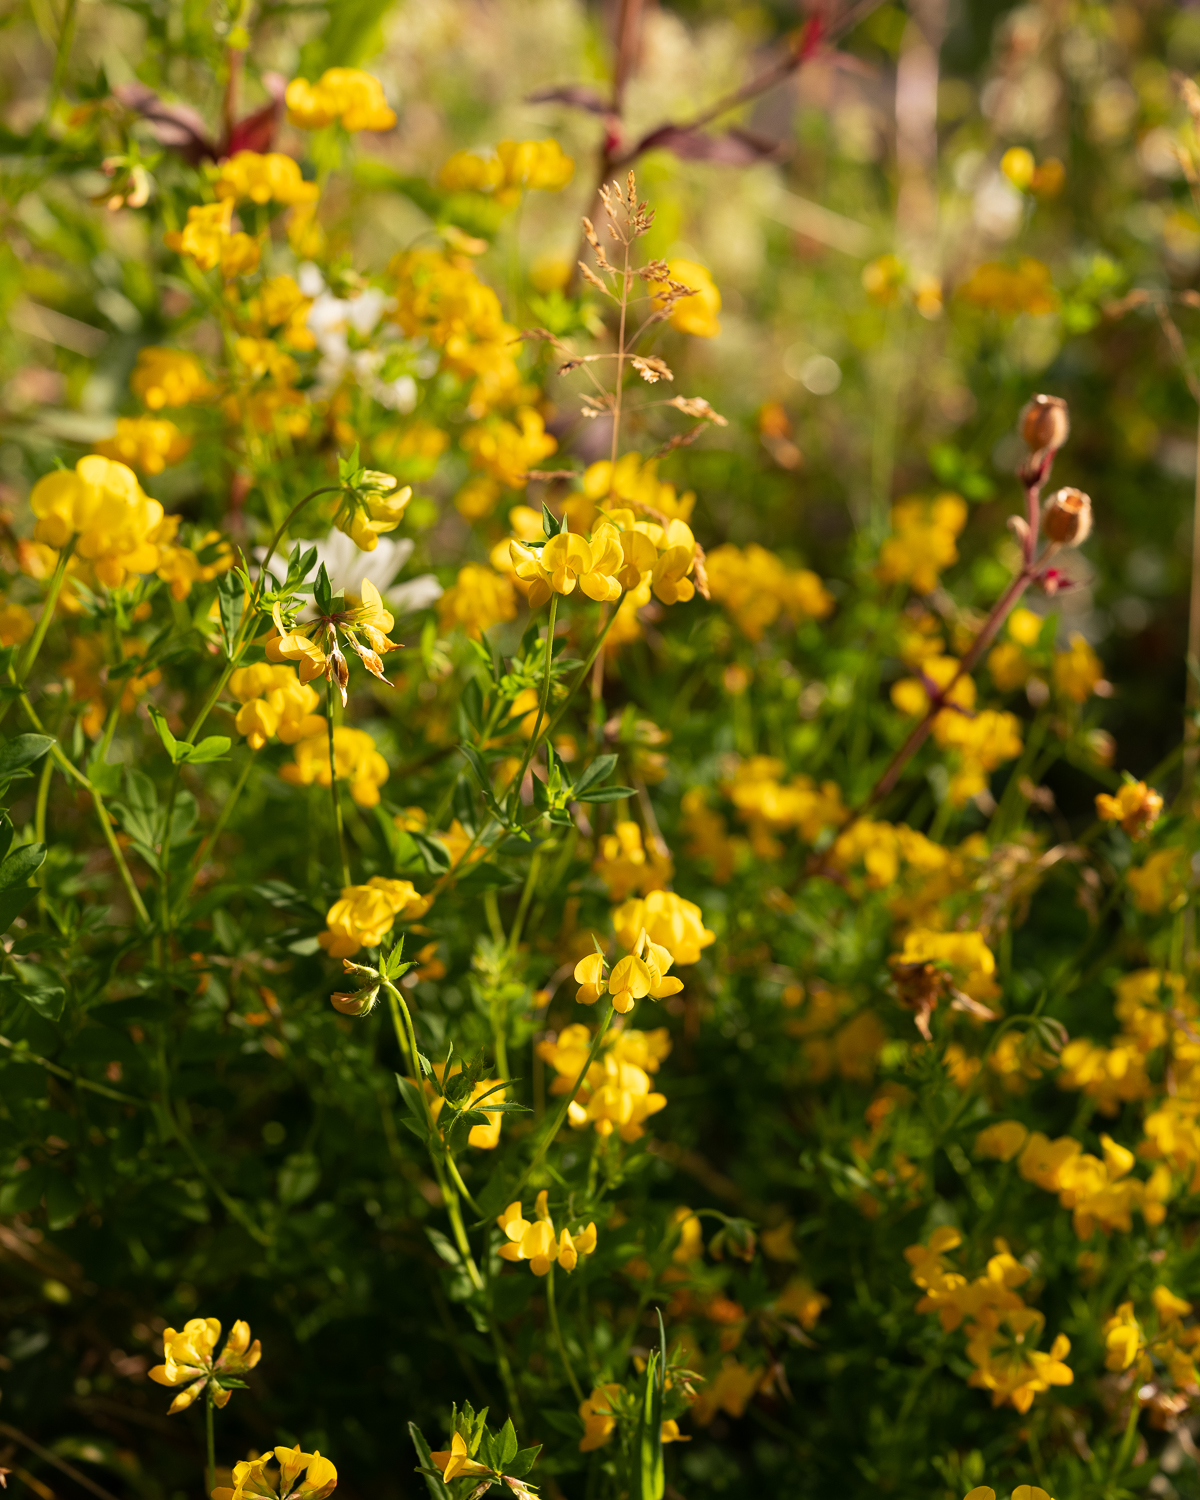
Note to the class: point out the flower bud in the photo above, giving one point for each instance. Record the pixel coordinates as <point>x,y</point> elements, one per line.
<point>1045,423</point>
<point>359,1003</point>
<point>374,482</point>
<point>1067,518</point>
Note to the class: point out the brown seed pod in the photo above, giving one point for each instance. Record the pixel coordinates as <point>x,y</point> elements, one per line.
<point>1067,518</point>
<point>1045,423</point>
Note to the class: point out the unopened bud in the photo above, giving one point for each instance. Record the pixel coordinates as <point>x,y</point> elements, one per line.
<point>359,1003</point>
<point>1067,518</point>
<point>375,482</point>
<point>1045,423</point>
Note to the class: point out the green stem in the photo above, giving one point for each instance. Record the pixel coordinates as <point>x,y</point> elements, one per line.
<point>212,1446</point>
<point>30,656</point>
<point>543,700</point>
<point>339,829</point>
<point>210,842</point>
<point>20,1054</point>
<point>1125,1451</point>
<point>552,1309</point>
<point>514,936</point>
<point>456,1176</point>
<point>568,1099</point>
<point>66,35</point>
<point>39,824</point>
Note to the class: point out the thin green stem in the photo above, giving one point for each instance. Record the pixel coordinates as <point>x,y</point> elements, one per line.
<point>29,657</point>
<point>456,1177</point>
<point>1129,1439</point>
<point>552,1309</point>
<point>544,698</point>
<point>531,878</point>
<point>339,829</point>
<point>568,1099</point>
<point>223,817</point>
<point>212,1445</point>
<point>21,1054</point>
<point>66,36</point>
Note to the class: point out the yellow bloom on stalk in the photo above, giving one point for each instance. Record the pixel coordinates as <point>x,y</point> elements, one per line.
<point>376,507</point>
<point>101,505</point>
<point>1136,807</point>
<point>364,914</point>
<point>355,757</point>
<point>771,807</point>
<point>281,304</point>
<point>1123,1338</point>
<point>599,1423</point>
<point>922,543</point>
<point>617,1093</point>
<point>696,314</point>
<point>729,1390</point>
<point>180,567</point>
<point>457,1460</point>
<point>263,178</point>
<point>276,703</point>
<point>146,443</point>
<point>348,96</point>
<point>756,587</point>
<point>189,1362</point>
<point>314,647</point>
<point>1159,883</point>
<point>535,1241</point>
<point>208,238</point>
<point>16,624</point>
<point>1002,1140</point>
<point>626,866</point>
<point>1078,672</point>
<point>668,921</point>
<point>505,451</point>
<point>307,1476</point>
<point>477,600</point>
<point>539,166</point>
<point>567,561</point>
<point>635,480</point>
<point>169,377</point>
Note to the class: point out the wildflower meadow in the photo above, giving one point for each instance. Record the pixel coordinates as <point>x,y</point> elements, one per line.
<point>599,749</point>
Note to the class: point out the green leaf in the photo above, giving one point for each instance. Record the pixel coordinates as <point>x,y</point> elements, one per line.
<point>298,1178</point>
<point>649,1476</point>
<point>231,600</point>
<point>20,865</point>
<point>170,743</point>
<point>63,1200</point>
<point>412,1097</point>
<point>433,852</point>
<point>435,1482</point>
<point>506,1443</point>
<point>13,903</point>
<point>210,749</point>
<point>47,999</point>
<point>7,832</point>
<point>24,750</point>
<point>599,770</point>
<point>525,1458</point>
<point>605,794</point>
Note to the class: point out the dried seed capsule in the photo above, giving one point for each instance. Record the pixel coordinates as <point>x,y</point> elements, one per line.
<point>1045,423</point>
<point>1067,518</point>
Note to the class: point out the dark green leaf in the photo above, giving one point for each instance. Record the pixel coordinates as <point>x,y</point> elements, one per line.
<point>599,770</point>
<point>605,794</point>
<point>20,865</point>
<point>434,1481</point>
<point>231,599</point>
<point>24,750</point>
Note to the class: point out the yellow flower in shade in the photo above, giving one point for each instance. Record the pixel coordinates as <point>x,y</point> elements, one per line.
<point>169,377</point>
<point>263,178</point>
<point>353,99</point>
<point>101,505</point>
<point>1136,807</point>
<point>1160,882</point>
<point>995,287</point>
<point>16,624</point>
<point>307,1476</point>
<point>478,599</point>
<point>457,1460</point>
<point>922,543</point>
<point>599,1421</point>
<point>1002,1140</point>
<point>355,757</point>
<point>180,567</point>
<point>1123,1338</point>
<point>364,914</point>
<point>1078,672</point>
<point>276,703</point>
<point>150,444</point>
<point>189,1362</point>
<point>668,921</point>
<point>208,239</point>
<point>756,587</point>
<point>729,1390</point>
<point>1169,1307</point>
<point>616,1094</point>
<point>801,1301</point>
<point>535,1240</point>
<point>970,960</point>
<point>695,314</point>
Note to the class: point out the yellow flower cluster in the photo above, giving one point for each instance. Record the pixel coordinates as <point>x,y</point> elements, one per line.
<point>16,624</point>
<point>169,377</point>
<point>709,835</point>
<point>364,914</point>
<point>995,287</point>
<point>623,554</point>
<point>626,866</point>
<point>346,96</point>
<point>263,178</point>
<point>1136,807</point>
<point>377,511</point>
<point>1002,1332</point>
<point>1099,1192</point>
<point>965,954</point>
<point>1160,883</point>
<point>209,239</point>
<point>504,452</point>
<point>355,757</point>
<point>633,480</point>
<point>275,702</point>
<point>833,1036</point>
<point>535,1241</point>
<point>1078,672</point>
<point>769,807</point>
<point>616,1094</point>
<point>756,588</point>
<point>179,566</point>
<point>101,507</point>
<point>697,313</point>
<point>922,544</point>
<point>477,600</point>
<point>982,740</point>
<point>640,973</point>
<point>282,305</point>
<point>1172,1346</point>
<point>1008,661</point>
<point>304,1476</point>
<point>1155,1011</point>
<point>668,921</point>
<point>440,298</point>
<point>146,443</point>
<point>189,1362</point>
<point>518,166</point>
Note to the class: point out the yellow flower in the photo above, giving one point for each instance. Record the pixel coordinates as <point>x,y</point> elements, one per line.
<point>801,1301</point>
<point>505,451</point>
<point>534,1240</point>
<point>457,1460</point>
<point>276,703</point>
<point>267,178</point>
<point>999,288</point>
<point>1168,1305</point>
<point>756,587</point>
<point>1002,1140</point>
<point>1123,1338</point>
<point>16,624</point>
<point>347,95</point>
<point>169,377</point>
<point>101,504</point>
<point>696,314</point>
<point>965,953</point>
<point>516,166</point>
<point>477,600</point>
<point>922,543</point>
<point>625,866</point>
<point>668,921</point>
<point>209,240</point>
<point>1136,807</point>
<point>1160,882</point>
<point>616,1094</point>
<point>729,1390</point>
<point>599,1423</point>
<point>180,566</point>
<point>365,914</point>
<point>355,757</point>
<point>314,645</point>
<point>1077,671</point>
<point>146,443</point>
<point>189,1362</point>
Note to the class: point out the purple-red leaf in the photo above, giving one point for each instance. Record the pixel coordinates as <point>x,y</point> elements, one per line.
<point>174,125</point>
<point>257,131</point>
<point>577,94</point>
<point>733,148</point>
